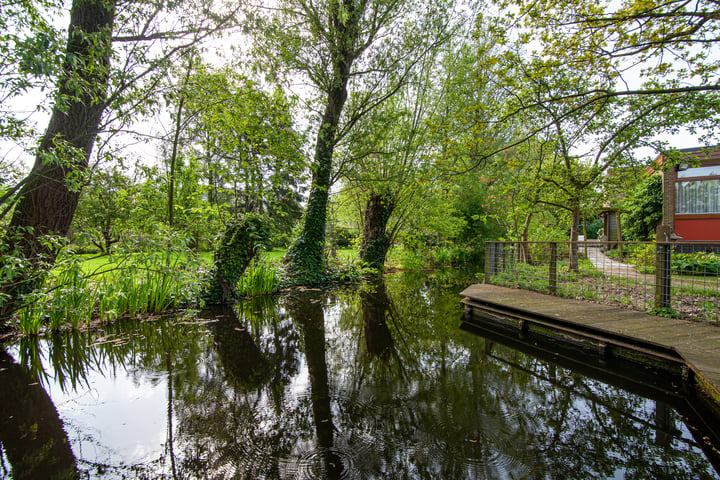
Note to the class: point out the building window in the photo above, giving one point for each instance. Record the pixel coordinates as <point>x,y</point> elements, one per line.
<point>708,171</point>
<point>699,196</point>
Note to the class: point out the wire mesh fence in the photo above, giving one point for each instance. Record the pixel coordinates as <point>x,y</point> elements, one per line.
<point>680,280</point>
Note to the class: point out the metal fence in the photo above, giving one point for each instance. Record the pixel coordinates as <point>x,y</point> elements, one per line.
<point>671,279</point>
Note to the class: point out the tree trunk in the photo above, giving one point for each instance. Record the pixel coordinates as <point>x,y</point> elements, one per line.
<point>49,197</point>
<point>175,145</point>
<point>375,241</point>
<point>305,256</point>
<point>574,232</point>
<point>525,256</point>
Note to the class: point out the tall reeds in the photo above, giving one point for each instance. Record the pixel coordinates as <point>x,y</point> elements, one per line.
<point>260,278</point>
<point>144,279</point>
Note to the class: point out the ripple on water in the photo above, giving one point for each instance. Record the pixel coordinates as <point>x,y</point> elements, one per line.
<point>495,440</point>
<point>491,441</point>
<point>323,463</point>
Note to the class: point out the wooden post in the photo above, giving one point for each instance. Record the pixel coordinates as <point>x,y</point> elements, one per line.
<point>662,267</point>
<point>490,260</point>
<point>585,236</point>
<point>620,237</point>
<point>552,280</point>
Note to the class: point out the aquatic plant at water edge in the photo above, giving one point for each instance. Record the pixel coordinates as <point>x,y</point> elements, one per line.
<point>144,276</point>
<point>260,278</point>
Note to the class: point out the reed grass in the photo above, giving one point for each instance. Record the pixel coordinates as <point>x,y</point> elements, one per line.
<point>260,278</point>
<point>151,280</point>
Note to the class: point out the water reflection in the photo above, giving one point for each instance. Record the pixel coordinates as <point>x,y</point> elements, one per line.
<point>31,433</point>
<point>377,310</point>
<point>368,382</point>
<point>307,311</point>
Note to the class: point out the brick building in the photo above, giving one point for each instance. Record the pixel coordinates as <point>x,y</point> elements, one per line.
<point>691,193</point>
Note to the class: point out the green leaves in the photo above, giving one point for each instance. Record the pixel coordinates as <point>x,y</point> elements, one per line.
<point>647,53</point>
<point>243,237</point>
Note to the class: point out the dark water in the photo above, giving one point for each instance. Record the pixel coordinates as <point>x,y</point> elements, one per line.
<point>363,383</point>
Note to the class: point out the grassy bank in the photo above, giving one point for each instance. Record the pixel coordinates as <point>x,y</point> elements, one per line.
<point>82,287</point>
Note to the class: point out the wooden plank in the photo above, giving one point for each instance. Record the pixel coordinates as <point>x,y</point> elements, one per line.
<point>697,343</point>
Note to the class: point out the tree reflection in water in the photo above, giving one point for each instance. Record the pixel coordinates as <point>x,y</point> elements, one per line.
<point>31,432</point>
<point>370,382</point>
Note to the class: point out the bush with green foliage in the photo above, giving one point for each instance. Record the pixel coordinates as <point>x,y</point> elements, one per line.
<point>698,263</point>
<point>645,204</point>
<point>342,237</point>
<point>592,226</point>
<point>243,238</point>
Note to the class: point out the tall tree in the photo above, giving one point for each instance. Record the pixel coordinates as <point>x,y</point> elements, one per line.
<point>652,54</point>
<point>104,208</point>
<point>546,96</point>
<point>242,136</point>
<point>45,201</point>
<point>48,198</point>
<point>367,46</point>
<point>387,159</point>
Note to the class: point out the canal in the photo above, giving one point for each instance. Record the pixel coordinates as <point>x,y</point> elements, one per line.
<point>359,382</point>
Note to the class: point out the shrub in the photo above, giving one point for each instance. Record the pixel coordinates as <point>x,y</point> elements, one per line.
<point>698,263</point>
<point>244,236</point>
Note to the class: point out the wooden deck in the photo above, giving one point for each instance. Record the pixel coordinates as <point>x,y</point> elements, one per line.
<point>695,347</point>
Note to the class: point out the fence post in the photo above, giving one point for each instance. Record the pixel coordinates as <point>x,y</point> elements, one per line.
<point>490,260</point>
<point>663,279</point>
<point>552,280</point>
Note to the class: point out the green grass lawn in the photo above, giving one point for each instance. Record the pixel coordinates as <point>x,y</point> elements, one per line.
<point>93,264</point>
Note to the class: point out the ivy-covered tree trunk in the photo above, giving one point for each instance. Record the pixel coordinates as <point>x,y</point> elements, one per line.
<point>48,199</point>
<point>239,245</point>
<point>305,256</point>
<point>375,240</point>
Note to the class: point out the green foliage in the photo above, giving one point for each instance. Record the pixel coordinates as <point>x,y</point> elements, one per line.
<point>71,298</point>
<point>260,278</point>
<point>240,138</point>
<point>20,274</point>
<point>104,209</point>
<point>642,256</point>
<point>698,263</point>
<point>407,258</point>
<point>243,238</point>
<point>342,237</point>
<point>667,312</point>
<point>30,57</point>
<point>148,276</point>
<point>593,226</point>
<point>645,203</point>
<point>459,254</point>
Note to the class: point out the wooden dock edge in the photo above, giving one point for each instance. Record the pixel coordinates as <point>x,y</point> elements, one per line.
<point>602,343</point>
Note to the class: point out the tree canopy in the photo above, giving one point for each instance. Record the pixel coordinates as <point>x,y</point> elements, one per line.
<point>440,132</point>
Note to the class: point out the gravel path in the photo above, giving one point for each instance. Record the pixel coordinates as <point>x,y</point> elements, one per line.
<point>612,267</point>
